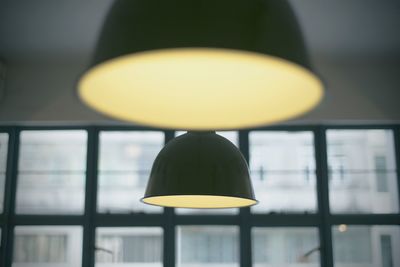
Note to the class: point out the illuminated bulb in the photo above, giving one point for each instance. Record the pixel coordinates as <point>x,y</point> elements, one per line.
<point>342,228</point>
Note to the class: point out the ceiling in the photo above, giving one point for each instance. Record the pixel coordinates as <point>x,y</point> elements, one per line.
<point>45,45</point>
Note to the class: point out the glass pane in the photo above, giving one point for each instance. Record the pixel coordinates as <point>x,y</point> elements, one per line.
<point>280,247</point>
<point>3,151</point>
<point>209,246</point>
<point>232,136</point>
<point>52,246</point>
<point>3,165</point>
<point>51,172</point>
<point>362,173</point>
<point>282,168</point>
<point>129,247</point>
<point>366,246</point>
<point>124,169</point>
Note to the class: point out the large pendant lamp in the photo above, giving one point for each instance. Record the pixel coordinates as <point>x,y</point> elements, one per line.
<point>201,64</point>
<point>200,170</point>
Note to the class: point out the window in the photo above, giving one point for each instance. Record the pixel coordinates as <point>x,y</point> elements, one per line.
<point>331,206</point>
<point>208,246</point>
<point>124,168</point>
<point>129,246</point>
<point>282,168</point>
<point>285,246</point>
<point>47,246</point>
<point>386,250</point>
<point>51,172</point>
<point>365,181</point>
<point>367,246</point>
<point>382,183</point>
<point>3,163</point>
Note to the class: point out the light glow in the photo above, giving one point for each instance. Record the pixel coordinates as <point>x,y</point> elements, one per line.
<point>200,88</point>
<point>199,201</point>
<point>342,228</point>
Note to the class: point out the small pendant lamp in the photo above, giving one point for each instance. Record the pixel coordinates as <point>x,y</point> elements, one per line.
<point>200,170</point>
<point>201,64</point>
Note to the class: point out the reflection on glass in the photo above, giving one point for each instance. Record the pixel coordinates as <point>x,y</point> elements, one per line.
<point>123,246</point>
<point>232,136</point>
<point>51,172</point>
<point>362,175</point>
<point>279,247</point>
<point>208,246</point>
<point>3,164</point>
<point>53,246</point>
<point>366,246</point>
<point>282,168</point>
<point>124,168</point>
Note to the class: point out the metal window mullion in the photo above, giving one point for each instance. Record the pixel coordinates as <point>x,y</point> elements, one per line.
<point>285,220</point>
<point>169,237</point>
<point>10,198</point>
<point>207,219</point>
<point>89,229</point>
<point>245,246</point>
<point>169,247</point>
<point>366,219</point>
<point>129,220</point>
<point>60,220</point>
<point>325,233</point>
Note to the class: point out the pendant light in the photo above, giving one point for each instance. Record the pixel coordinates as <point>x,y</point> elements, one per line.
<point>201,64</point>
<point>200,170</point>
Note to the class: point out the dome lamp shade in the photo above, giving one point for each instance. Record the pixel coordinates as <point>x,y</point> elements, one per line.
<point>200,170</point>
<point>201,65</point>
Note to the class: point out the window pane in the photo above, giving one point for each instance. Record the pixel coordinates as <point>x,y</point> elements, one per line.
<point>210,246</point>
<point>129,247</point>
<point>282,168</point>
<point>3,151</point>
<point>362,173</point>
<point>124,169</point>
<point>51,172</point>
<point>366,246</point>
<point>280,246</point>
<point>52,246</point>
<point>3,165</point>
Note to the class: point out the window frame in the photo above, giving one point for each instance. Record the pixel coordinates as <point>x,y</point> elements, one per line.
<point>168,220</point>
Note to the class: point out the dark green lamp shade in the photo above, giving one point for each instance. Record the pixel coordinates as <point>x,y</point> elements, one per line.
<point>201,64</point>
<point>263,26</point>
<point>200,170</point>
